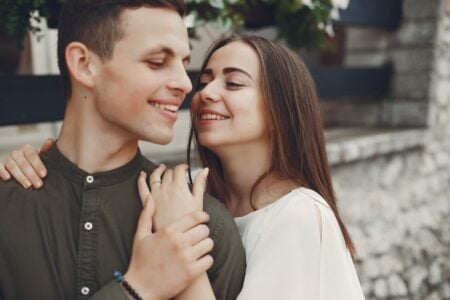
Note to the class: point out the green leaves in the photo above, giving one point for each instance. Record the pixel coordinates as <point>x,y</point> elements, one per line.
<point>19,16</point>
<point>302,23</point>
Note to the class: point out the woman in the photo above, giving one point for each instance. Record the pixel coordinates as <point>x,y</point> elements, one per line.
<point>257,126</point>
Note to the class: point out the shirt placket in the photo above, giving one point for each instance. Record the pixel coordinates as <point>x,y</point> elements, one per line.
<point>87,247</point>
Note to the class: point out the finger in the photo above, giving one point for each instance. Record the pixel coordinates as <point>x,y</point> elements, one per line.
<point>144,191</point>
<point>16,173</point>
<point>155,177</point>
<point>196,234</point>
<point>31,154</point>
<point>202,265</point>
<point>26,168</point>
<point>200,249</point>
<point>46,145</point>
<point>188,221</point>
<point>145,223</point>
<point>167,177</point>
<point>199,187</point>
<point>179,173</point>
<point>4,174</point>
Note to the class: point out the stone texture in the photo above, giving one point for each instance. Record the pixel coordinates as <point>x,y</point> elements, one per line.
<point>420,9</point>
<point>380,288</point>
<point>412,60</point>
<point>411,86</point>
<point>396,286</point>
<point>406,114</point>
<point>415,33</point>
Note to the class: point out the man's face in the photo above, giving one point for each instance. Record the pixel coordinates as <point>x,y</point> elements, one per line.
<point>139,90</point>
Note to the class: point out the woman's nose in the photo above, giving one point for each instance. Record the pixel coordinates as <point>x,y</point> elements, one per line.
<point>209,93</point>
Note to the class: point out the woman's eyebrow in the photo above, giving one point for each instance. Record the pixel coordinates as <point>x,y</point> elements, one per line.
<point>226,71</point>
<point>233,69</point>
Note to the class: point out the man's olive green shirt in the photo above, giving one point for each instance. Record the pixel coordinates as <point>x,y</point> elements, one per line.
<point>65,240</point>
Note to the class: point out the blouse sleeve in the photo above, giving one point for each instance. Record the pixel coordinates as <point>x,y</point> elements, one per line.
<point>300,254</point>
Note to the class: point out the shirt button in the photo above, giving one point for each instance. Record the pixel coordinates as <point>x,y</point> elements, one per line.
<point>88,226</point>
<point>85,290</point>
<point>90,179</point>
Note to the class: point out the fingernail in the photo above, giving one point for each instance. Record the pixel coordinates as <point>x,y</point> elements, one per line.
<point>37,184</point>
<point>27,184</point>
<point>206,171</point>
<point>42,173</point>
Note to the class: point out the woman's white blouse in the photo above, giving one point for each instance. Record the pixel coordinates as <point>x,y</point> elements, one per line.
<point>295,250</point>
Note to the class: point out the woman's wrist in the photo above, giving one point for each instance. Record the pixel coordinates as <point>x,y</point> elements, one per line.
<point>144,290</point>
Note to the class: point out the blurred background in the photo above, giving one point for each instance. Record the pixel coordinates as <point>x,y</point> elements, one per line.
<point>382,70</point>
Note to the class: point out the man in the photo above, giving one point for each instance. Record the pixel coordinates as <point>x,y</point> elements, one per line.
<point>123,69</point>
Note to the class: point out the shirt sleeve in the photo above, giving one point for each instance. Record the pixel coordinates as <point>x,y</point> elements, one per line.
<point>228,271</point>
<point>111,291</point>
<point>299,254</point>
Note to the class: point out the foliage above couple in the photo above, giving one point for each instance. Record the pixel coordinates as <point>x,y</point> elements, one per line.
<point>19,16</point>
<point>301,23</point>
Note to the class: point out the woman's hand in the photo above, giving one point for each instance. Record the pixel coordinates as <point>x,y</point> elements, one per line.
<point>171,193</point>
<point>25,165</point>
<point>164,263</point>
<point>173,200</point>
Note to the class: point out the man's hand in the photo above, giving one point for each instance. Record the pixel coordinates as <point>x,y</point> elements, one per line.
<point>171,193</point>
<point>25,165</point>
<point>166,262</point>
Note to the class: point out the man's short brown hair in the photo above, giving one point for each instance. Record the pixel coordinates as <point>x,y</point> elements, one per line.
<point>97,24</point>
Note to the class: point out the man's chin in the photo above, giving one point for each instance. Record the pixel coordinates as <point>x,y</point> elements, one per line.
<point>160,140</point>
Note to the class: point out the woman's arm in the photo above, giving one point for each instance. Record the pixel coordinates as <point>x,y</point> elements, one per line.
<point>199,289</point>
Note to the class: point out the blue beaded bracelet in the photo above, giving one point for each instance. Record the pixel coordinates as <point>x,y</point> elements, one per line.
<point>120,279</point>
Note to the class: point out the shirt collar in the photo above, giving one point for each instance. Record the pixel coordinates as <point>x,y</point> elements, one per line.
<point>57,160</point>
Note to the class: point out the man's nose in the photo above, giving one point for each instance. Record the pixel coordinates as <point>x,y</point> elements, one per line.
<point>181,81</point>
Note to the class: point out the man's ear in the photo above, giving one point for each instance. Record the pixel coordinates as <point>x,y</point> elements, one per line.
<point>80,64</point>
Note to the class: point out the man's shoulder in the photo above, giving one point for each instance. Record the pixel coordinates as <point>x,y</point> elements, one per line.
<point>214,207</point>
<point>12,188</point>
<point>221,222</point>
<point>148,165</point>
<point>13,198</point>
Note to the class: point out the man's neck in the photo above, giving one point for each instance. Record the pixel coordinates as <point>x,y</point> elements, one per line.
<point>91,143</point>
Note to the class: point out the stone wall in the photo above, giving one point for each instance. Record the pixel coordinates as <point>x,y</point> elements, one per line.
<point>398,210</point>
<point>410,49</point>
<point>397,204</point>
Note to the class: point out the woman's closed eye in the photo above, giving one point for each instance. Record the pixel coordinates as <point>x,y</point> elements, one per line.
<point>233,85</point>
<point>229,85</point>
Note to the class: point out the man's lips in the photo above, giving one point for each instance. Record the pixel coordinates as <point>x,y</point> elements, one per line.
<point>165,106</point>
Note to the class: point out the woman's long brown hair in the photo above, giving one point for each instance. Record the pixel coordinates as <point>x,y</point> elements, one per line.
<point>295,127</point>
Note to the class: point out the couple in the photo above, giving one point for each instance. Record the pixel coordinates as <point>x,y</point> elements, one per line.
<point>257,127</point>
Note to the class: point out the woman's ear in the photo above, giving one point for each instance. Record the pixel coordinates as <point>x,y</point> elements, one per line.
<point>80,64</point>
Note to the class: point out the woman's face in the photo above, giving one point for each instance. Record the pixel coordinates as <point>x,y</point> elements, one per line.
<point>228,106</point>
